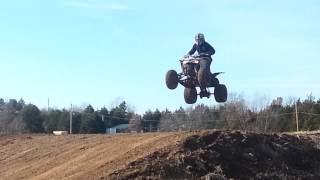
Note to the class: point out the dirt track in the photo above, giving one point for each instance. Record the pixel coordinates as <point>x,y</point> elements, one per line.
<point>75,156</point>
<point>128,155</point>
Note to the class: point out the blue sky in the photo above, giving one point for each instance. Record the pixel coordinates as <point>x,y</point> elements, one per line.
<point>100,52</point>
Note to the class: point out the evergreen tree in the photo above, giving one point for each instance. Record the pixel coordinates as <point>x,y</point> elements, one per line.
<point>118,115</point>
<point>32,117</point>
<point>89,109</point>
<point>2,102</point>
<point>20,105</point>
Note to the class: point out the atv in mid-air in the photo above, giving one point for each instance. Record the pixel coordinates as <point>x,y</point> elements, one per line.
<point>193,76</point>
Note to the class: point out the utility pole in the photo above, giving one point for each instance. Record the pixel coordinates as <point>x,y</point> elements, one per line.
<point>71,119</point>
<point>297,119</point>
<point>104,122</point>
<point>48,104</point>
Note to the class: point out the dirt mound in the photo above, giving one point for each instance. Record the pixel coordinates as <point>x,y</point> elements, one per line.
<point>224,155</point>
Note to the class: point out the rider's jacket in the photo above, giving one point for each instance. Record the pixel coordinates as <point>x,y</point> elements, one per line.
<point>204,48</point>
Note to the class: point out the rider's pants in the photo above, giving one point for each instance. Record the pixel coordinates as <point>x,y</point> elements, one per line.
<point>205,64</point>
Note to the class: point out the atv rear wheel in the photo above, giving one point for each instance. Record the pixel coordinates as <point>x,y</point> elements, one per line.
<point>203,77</point>
<point>221,93</point>
<point>190,95</point>
<point>172,79</point>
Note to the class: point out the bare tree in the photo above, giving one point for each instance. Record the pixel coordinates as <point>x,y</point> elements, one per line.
<point>235,112</point>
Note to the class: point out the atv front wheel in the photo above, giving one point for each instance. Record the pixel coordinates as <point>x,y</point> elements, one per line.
<point>221,93</point>
<point>190,95</point>
<point>172,79</point>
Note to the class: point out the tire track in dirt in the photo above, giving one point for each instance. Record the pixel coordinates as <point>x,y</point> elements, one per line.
<point>101,156</point>
<point>75,156</point>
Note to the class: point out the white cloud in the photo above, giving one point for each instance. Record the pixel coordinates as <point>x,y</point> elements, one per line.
<point>95,4</point>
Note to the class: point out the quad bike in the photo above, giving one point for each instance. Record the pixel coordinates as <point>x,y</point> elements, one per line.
<point>193,76</point>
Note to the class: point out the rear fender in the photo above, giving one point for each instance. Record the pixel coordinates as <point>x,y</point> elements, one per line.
<point>217,73</point>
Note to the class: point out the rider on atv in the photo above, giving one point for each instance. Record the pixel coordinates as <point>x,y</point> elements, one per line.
<point>205,50</point>
<point>196,73</point>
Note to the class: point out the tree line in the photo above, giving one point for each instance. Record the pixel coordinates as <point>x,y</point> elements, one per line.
<point>236,113</point>
<point>18,117</point>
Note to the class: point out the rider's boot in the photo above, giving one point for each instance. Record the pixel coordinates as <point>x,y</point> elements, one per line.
<point>204,93</point>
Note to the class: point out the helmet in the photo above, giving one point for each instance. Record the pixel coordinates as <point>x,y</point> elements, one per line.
<point>199,38</point>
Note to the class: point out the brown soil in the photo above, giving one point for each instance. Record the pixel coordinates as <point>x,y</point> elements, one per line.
<point>183,155</point>
<point>75,156</point>
<point>225,155</point>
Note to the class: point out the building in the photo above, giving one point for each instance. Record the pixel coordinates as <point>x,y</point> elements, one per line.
<point>117,129</point>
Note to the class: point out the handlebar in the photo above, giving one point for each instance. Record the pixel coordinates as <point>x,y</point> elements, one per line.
<point>194,57</point>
